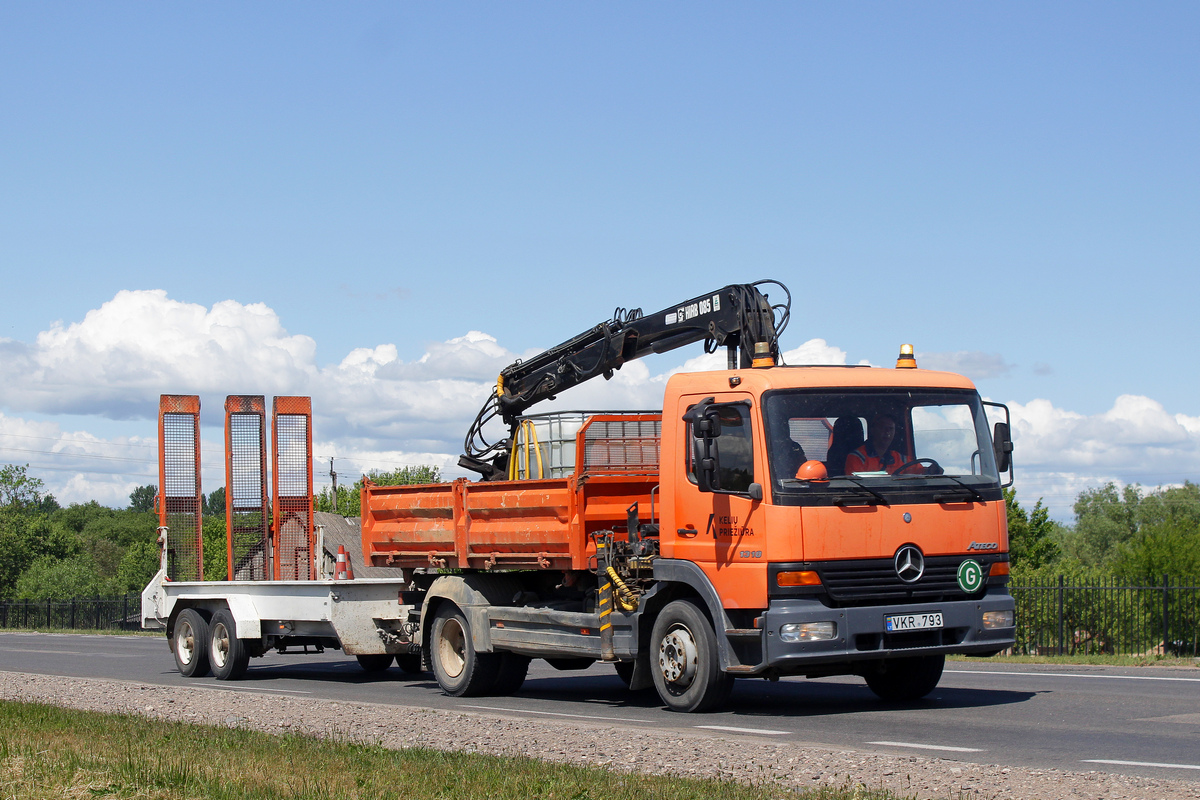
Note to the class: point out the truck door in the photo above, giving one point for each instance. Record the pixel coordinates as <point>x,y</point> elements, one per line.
<point>722,531</point>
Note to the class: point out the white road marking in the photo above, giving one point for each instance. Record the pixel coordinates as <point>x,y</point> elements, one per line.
<point>1139,763</point>
<point>239,688</point>
<point>743,730</point>
<point>1070,675</point>
<point>930,747</point>
<point>71,653</point>
<point>557,714</point>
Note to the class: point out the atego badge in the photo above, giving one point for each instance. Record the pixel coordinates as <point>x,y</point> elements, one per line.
<point>970,576</point>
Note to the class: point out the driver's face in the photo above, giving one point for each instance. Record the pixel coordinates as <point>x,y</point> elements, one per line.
<point>882,433</point>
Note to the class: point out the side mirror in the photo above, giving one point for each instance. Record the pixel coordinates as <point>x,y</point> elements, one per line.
<point>1002,446</point>
<point>706,427</point>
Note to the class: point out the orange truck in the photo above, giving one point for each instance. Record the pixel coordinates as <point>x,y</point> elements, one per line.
<point>768,521</point>
<point>772,520</point>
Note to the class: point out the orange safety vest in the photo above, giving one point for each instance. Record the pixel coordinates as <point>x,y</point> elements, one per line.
<point>864,460</point>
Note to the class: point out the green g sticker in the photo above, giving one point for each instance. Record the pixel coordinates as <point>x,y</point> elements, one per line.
<point>970,576</point>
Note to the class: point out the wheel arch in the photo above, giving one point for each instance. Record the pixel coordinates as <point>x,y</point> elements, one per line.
<point>472,594</point>
<point>683,580</point>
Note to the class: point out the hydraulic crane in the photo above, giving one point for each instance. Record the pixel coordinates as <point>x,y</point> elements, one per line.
<point>739,317</point>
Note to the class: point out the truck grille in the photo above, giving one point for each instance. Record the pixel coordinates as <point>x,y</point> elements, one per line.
<point>875,582</point>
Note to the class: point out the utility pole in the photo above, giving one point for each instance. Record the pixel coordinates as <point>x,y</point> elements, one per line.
<point>333,476</point>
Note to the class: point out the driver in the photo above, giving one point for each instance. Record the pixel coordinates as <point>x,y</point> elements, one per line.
<point>877,455</point>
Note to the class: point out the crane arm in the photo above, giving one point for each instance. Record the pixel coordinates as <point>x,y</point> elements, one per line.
<point>736,317</point>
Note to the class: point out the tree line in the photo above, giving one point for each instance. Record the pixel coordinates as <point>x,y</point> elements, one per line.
<point>1132,535</point>
<point>87,549</point>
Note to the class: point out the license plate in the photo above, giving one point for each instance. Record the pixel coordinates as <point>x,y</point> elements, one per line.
<point>913,622</point>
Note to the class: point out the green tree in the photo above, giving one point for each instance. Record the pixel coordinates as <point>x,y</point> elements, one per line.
<point>349,499</point>
<point>76,576</point>
<point>1031,536</point>
<point>20,492</point>
<point>26,537</point>
<point>1105,519</point>
<point>138,566</point>
<point>142,498</point>
<point>214,504</point>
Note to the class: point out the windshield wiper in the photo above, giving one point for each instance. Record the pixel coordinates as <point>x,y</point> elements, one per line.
<point>857,484</point>
<point>971,490</point>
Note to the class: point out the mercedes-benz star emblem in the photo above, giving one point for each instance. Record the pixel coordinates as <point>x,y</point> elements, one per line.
<point>910,563</point>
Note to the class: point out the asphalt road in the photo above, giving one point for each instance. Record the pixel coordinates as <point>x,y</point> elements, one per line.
<point>1134,721</point>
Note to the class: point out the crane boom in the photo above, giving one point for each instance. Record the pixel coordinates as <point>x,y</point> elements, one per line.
<point>737,317</point>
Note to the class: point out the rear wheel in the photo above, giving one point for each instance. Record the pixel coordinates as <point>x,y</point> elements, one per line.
<point>226,653</point>
<point>901,679</point>
<point>460,671</point>
<point>189,644</point>
<point>409,663</point>
<point>513,669</point>
<point>375,662</point>
<point>686,668</point>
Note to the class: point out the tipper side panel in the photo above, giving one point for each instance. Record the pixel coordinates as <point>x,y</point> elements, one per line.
<point>521,524</point>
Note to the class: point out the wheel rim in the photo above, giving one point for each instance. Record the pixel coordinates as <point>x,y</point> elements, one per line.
<point>220,644</point>
<point>185,642</point>
<point>677,657</point>
<point>452,648</point>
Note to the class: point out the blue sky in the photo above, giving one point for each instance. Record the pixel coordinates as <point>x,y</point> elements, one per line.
<point>1013,188</point>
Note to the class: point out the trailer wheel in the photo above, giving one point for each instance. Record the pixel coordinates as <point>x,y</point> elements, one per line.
<point>227,653</point>
<point>409,663</point>
<point>375,662</point>
<point>460,671</point>
<point>687,672</point>
<point>513,669</point>
<point>901,679</point>
<point>189,644</point>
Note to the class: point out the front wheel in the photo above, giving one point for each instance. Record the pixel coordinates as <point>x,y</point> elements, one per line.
<point>684,662</point>
<point>902,679</point>
<point>460,671</point>
<point>227,653</point>
<point>189,644</point>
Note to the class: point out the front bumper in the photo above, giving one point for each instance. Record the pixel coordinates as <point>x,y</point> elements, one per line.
<point>861,634</point>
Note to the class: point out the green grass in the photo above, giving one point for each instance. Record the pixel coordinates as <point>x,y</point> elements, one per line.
<point>85,632</point>
<point>47,751</point>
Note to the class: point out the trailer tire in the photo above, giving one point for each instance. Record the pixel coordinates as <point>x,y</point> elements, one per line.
<point>375,662</point>
<point>513,669</point>
<point>189,644</point>
<point>409,663</point>
<point>686,668</point>
<point>459,670</point>
<point>227,654</point>
<point>902,679</point>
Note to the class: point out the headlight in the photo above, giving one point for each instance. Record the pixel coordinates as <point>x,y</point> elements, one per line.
<point>808,631</point>
<point>997,619</point>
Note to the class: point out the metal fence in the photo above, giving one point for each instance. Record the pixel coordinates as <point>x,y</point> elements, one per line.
<point>1069,618</point>
<point>77,613</point>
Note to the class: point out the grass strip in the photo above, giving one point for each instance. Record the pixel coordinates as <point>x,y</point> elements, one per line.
<point>46,751</point>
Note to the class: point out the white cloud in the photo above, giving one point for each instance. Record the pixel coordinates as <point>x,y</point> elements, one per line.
<point>376,411</point>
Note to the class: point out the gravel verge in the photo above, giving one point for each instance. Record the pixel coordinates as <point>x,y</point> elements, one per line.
<point>796,765</point>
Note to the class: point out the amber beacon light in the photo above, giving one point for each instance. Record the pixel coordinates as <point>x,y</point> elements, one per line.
<point>906,359</point>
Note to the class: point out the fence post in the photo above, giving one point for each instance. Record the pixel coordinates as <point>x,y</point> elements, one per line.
<point>1061,638</point>
<point>72,613</point>
<point>1166,611</point>
<point>124,609</point>
<point>48,613</point>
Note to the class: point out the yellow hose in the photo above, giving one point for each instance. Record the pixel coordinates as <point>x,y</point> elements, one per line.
<point>626,599</point>
<point>528,434</point>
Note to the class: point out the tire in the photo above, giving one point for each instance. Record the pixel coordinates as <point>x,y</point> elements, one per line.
<point>227,654</point>
<point>375,662</point>
<point>409,663</point>
<point>459,670</point>
<point>624,672</point>
<point>189,643</point>
<point>902,679</point>
<point>513,669</point>
<point>684,662</point>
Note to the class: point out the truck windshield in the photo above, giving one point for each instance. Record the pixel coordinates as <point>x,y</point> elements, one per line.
<point>881,445</point>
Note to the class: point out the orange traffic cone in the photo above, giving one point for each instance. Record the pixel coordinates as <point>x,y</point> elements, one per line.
<point>342,567</point>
